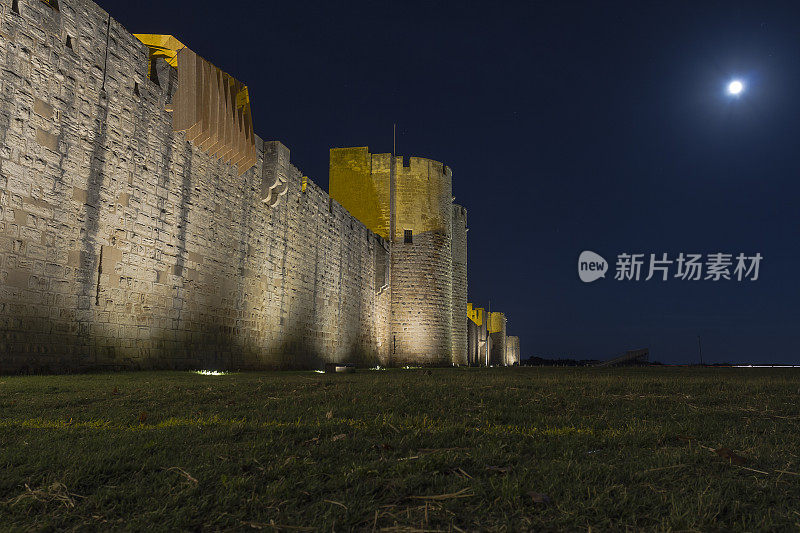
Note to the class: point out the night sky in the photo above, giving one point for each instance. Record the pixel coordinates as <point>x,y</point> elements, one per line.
<point>569,126</point>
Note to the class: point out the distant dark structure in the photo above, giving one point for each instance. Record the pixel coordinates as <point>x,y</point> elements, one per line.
<point>629,358</point>
<point>541,361</point>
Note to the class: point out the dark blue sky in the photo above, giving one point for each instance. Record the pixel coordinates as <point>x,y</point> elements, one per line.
<point>569,126</point>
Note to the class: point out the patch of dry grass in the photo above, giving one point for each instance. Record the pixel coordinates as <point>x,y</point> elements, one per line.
<point>449,450</point>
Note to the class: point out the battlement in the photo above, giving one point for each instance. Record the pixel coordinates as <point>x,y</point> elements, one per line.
<point>414,163</point>
<point>476,314</point>
<point>497,322</point>
<point>383,160</point>
<point>145,225</point>
<point>416,191</point>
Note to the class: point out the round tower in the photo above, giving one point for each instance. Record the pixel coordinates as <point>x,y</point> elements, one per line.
<point>421,230</point>
<point>497,337</point>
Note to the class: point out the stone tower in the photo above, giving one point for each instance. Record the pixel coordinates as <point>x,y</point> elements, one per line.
<point>497,336</point>
<point>409,202</point>
<point>459,251</point>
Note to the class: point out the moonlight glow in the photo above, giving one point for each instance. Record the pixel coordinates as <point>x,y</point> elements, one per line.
<point>735,87</point>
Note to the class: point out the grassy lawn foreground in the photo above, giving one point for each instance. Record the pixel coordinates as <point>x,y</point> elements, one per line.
<point>448,449</point>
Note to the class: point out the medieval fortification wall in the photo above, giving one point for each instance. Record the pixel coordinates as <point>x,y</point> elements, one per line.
<point>144,225</point>
<point>122,245</point>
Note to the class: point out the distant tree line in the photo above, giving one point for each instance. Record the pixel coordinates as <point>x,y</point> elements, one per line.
<point>566,361</point>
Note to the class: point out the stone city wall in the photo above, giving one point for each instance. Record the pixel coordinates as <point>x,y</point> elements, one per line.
<point>124,246</point>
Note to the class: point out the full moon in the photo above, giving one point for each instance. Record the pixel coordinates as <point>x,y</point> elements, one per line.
<point>735,87</point>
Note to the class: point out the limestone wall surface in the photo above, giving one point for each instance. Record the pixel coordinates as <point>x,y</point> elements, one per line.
<point>424,196</point>
<point>422,269</point>
<point>421,288</point>
<point>478,344</point>
<point>512,350</point>
<point>360,181</point>
<point>124,246</point>
<point>497,324</point>
<point>459,269</point>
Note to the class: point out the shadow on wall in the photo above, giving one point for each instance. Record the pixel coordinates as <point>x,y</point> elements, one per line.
<point>219,348</point>
<point>88,273</point>
<point>294,356</point>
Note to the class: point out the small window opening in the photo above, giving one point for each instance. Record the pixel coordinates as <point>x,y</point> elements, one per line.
<point>15,6</point>
<point>408,236</point>
<point>136,88</point>
<point>153,71</point>
<point>69,42</point>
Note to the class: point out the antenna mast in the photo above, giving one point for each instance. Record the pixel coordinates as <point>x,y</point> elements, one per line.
<point>700,350</point>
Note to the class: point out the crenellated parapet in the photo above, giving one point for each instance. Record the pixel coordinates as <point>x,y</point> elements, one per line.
<point>393,193</point>
<point>125,246</point>
<point>424,192</point>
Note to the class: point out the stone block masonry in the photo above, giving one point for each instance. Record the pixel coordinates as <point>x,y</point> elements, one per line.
<point>497,338</point>
<point>410,202</point>
<point>122,245</point>
<point>512,350</point>
<point>459,251</point>
<point>131,238</point>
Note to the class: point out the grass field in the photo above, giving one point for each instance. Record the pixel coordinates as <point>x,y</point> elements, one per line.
<point>449,449</point>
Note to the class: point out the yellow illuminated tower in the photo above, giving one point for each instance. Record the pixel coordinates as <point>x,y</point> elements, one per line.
<point>409,202</point>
